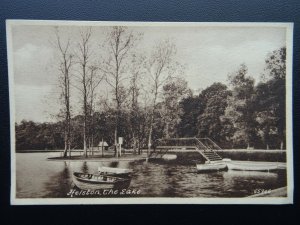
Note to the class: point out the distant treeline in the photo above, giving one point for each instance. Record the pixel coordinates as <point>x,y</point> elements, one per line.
<point>240,115</point>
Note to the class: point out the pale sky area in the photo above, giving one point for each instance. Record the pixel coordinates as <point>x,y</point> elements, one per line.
<point>209,54</point>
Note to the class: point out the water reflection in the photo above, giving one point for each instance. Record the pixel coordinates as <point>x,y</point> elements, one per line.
<point>37,177</point>
<point>249,180</point>
<point>59,183</point>
<point>84,168</point>
<point>114,164</point>
<point>172,184</point>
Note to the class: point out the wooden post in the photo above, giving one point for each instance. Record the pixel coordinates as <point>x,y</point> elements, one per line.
<point>117,149</point>
<point>120,140</point>
<point>102,147</point>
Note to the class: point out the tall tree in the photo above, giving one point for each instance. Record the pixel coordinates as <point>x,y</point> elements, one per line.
<point>136,71</point>
<point>240,107</point>
<point>174,90</point>
<point>95,79</point>
<point>265,109</point>
<point>275,74</point>
<point>120,41</point>
<point>276,64</point>
<point>65,64</point>
<point>160,67</point>
<point>191,107</point>
<point>210,121</point>
<point>84,61</point>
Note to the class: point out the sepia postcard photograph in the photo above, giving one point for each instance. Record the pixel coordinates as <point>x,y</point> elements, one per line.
<point>150,112</point>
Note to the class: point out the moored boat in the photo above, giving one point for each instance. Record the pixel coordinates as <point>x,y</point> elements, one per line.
<point>169,157</point>
<point>117,172</point>
<point>252,166</point>
<point>87,181</point>
<point>213,166</point>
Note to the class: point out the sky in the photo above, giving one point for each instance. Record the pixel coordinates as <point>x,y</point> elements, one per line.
<point>208,53</point>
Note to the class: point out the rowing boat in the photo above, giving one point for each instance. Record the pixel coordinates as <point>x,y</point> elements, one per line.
<point>169,157</point>
<point>252,166</point>
<point>116,172</point>
<point>87,181</point>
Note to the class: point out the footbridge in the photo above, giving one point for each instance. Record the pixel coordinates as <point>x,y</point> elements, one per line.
<point>204,146</point>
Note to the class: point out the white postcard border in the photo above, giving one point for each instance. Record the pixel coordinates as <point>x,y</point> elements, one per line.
<point>155,200</point>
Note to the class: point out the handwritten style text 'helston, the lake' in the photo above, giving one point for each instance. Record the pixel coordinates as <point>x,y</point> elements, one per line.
<point>105,192</point>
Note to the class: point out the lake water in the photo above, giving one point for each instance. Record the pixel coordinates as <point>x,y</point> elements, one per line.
<point>37,177</point>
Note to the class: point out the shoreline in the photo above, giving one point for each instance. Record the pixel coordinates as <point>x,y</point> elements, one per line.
<point>171,150</point>
<point>100,158</point>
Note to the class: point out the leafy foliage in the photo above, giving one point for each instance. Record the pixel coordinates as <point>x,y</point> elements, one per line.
<point>239,115</point>
<point>240,108</point>
<point>209,122</point>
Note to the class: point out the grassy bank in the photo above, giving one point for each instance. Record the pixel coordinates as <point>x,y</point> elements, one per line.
<point>108,156</point>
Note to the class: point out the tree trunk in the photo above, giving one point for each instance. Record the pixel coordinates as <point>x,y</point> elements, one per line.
<point>66,60</point>
<point>134,143</point>
<point>66,146</point>
<point>139,147</point>
<point>69,134</point>
<point>150,137</point>
<point>67,112</point>
<point>167,135</point>
<point>84,140</point>
<point>84,110</point>
<point>116,141</point>
<point>92,144</point>
<point>102,147</point>
<point>152,120</point>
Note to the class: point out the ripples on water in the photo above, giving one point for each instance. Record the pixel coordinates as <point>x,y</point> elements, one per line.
<point>38,177</point>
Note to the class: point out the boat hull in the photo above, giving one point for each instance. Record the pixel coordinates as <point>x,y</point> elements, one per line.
<point>210,167</point>
<point>251,166</point>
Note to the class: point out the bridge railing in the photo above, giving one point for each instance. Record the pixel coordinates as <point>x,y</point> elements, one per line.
<point>210,143</point>
<point>200,143</point>
<point>204,146</point>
